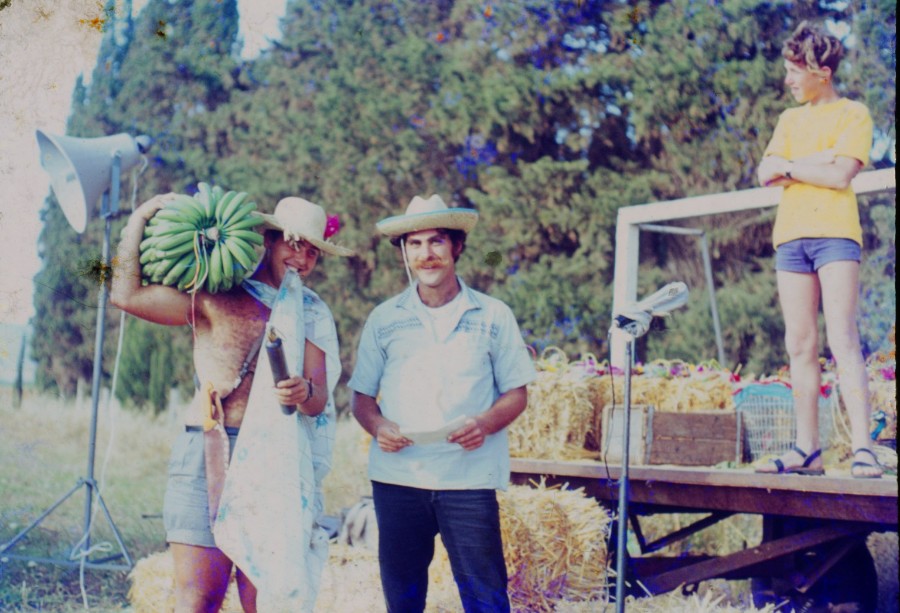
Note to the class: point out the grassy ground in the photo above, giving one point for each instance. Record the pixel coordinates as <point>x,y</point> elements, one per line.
<point>45,451</point>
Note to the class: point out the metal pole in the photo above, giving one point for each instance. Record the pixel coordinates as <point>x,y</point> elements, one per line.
<point>110,204</point>
<point>623,482</point>
<point>707,270</point>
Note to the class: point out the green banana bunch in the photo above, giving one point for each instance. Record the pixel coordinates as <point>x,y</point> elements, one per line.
<point>201,242</point>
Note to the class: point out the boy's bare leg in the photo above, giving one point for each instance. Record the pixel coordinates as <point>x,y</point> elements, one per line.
<point>201,578</point>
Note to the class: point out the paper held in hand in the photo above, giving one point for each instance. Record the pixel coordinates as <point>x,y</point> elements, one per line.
<point>426,437</point>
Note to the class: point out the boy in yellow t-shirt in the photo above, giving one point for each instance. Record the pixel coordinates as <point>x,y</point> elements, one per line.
<point>815,152</point>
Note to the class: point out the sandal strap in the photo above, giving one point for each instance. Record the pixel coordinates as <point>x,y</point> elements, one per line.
<point>808,458</point>
<point>815,454</point>
<point>869,451</point>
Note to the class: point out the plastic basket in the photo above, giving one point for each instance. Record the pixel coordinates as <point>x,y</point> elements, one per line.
<point>770,425</point>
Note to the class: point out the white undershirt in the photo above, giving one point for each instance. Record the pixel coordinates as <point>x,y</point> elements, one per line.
<point>445,317</point>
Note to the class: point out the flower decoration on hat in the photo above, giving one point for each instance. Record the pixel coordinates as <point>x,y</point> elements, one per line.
<point>332,226</point>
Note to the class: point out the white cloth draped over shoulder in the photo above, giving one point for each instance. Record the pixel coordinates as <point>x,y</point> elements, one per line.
<point>272,497</point>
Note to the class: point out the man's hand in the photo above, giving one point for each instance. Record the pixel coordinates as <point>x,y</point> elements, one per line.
<point>471,436</point>
<point>389,438</point>
<point>149,208</point>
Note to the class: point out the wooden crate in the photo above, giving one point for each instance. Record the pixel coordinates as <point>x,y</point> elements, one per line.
<point>684,439</point>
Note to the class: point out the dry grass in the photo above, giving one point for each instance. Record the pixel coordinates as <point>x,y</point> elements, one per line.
<point>46,442</point>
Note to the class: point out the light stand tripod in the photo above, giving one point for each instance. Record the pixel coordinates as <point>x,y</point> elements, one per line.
<point>71,163</point>
<point>630,323</point>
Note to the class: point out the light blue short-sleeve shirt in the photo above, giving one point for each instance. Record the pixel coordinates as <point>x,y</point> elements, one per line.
<point>424,379</point>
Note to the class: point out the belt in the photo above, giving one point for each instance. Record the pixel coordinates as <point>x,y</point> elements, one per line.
<point>229,430</point>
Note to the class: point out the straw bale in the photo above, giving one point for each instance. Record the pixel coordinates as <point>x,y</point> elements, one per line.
<point>675,602</point>
<point>554,544</point>
<point>707,391</point>
<point>558,418</point>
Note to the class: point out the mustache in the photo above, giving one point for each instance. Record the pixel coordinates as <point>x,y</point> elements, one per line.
<point>428,260</point>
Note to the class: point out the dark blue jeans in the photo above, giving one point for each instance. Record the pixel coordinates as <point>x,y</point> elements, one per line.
<point>469,524</point>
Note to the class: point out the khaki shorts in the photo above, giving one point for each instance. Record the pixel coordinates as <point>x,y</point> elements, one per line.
<point>186,506</point>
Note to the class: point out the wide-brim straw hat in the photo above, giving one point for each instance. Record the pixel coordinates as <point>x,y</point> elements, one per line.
<point>301,219</point>
<point>429,214</point>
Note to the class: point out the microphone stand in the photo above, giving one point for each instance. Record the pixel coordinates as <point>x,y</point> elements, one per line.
<point>622,533</point>
<point>632,322</point>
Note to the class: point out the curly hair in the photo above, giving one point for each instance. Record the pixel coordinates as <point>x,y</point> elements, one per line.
<point>809,46</point>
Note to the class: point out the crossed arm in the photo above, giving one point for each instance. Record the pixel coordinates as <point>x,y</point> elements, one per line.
<point>823,169</point>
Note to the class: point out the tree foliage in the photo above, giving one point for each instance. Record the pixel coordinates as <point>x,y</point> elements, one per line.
<point>545,116</point>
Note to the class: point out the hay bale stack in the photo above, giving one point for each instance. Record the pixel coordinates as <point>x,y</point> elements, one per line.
<point>566,401</point>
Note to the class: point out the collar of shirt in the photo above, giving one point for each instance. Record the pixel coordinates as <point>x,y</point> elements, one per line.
<point>411,301</point>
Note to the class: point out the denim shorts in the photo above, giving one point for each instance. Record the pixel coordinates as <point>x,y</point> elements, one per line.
<point>807,255</point>
<point>186,505</point>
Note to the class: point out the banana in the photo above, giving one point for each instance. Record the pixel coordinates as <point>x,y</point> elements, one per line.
<point>249,236</point>
<point>158,271</point>
<point>227,266</point>
<point>217,192</point>
<point>180,214</point>
<point>214,279</point>
<point>244,219</point>
<point>176,252</point>
<point>178,269</point>
<point>251,254</point>
<point>203,272</point>
<point>221,205</point>
<point>172,241</point>
<point>204,196</point>
<point>240,256</point>
<point>187,277</point>
<point>148,269</point>
<point>228,210</point>
<point>163,267</point>
<point>149,255</point>
<point>174,227</point>
<point>148,243</point>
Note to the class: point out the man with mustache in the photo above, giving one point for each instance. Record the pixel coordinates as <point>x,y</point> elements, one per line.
<point>441,371</point>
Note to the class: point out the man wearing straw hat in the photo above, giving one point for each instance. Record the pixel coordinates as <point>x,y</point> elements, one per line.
<point>440,373</point>
<point>261,514</point>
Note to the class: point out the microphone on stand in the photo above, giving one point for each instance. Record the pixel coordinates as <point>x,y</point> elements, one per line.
<point>635,317</point>
<point>633,320</point>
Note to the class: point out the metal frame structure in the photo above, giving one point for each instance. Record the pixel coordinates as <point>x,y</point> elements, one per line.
<point>631,218</point>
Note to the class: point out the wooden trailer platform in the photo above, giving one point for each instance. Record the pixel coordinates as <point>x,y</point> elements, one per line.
<point>814,527</point>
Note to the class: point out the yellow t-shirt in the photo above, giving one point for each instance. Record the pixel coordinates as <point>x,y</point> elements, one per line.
<point>808,211</point>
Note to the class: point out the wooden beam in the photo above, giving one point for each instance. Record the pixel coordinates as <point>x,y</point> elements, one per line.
<point>699,490</point>
<point>742,560</point>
